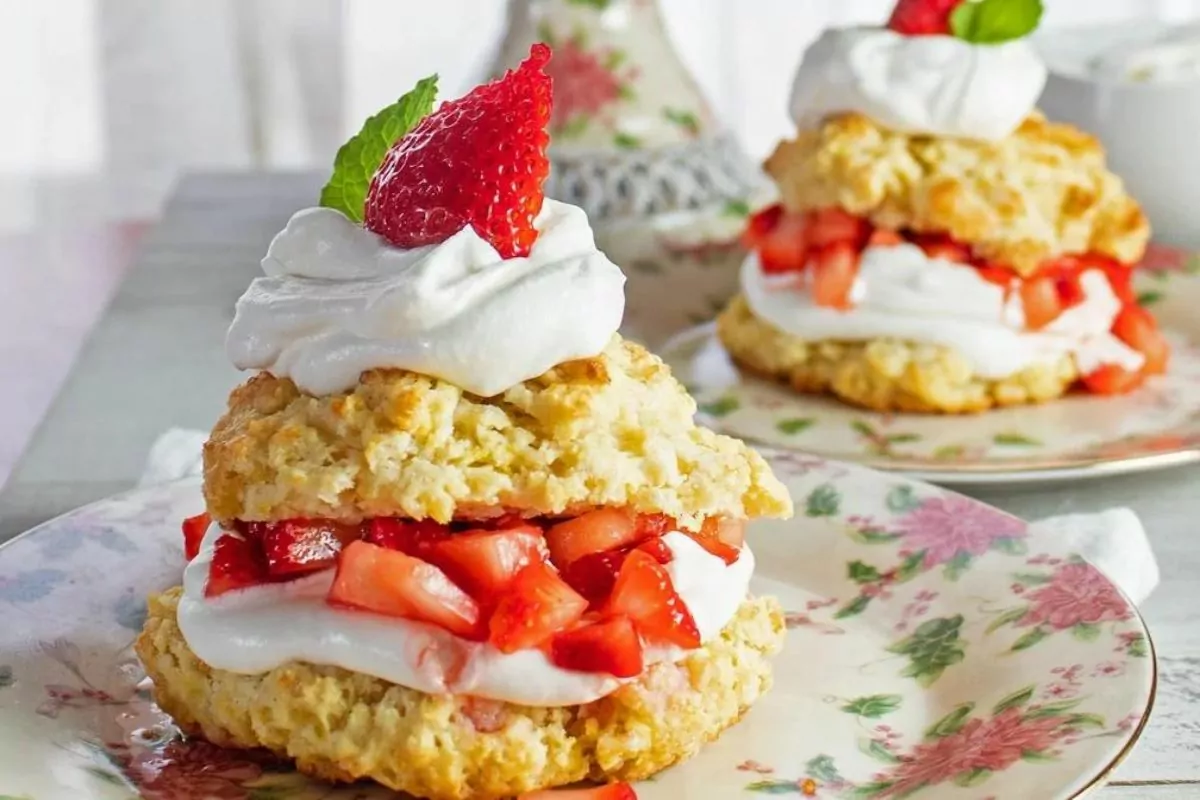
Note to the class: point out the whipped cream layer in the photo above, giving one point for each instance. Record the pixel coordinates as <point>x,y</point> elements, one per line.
<point>339,300</point>
<point>901,293</point>
<point>936,85</point>
<point>258,629</point>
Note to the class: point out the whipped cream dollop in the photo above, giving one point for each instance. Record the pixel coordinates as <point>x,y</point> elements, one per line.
<point>936,85</point>
<point>338,300</point>
<point>258,629</point>
<point>902,293</point>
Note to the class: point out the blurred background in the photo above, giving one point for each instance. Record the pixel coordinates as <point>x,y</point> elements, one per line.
<point>107,102</point>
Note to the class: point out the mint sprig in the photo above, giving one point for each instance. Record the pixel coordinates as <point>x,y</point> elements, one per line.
<point>995,21</point>
<point>358,159</point>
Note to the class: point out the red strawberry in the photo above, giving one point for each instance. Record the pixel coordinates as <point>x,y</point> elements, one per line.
<point>593,575</point>
<point>882,237</point>
<point>716,547</point>
<point>643,592</point>
<point>760,225</point>
<point>832,225</point>
<point>1041,301</point>
<point>479,161</point>
<point>835,267</point>
<point>412,536</point>
<point>785,248</point>
<point>655,525</point>
<point>610,646</point>
<point>236,564</point>
<point>593,532</point>
<point>657,548</point>
<point>1112,379</point>
<point>538,605</point>
<point>372,578</point>
<point>194,529</point>
<point>302,545</point>
<point>922,17</point>
<point>945,248</point>
<point>722,537</point>
<point>486,562</point>
<point>611,791</point>
<point>1136,327</point>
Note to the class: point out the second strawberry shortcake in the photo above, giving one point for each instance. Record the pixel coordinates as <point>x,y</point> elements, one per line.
<point>461,538</point>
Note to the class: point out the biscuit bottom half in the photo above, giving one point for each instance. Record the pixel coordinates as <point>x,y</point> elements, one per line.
<point>883,374</point>
<point>343,726</point>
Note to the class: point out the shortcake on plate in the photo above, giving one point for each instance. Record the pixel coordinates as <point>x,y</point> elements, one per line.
<point>461,538</point>
<point>940,246</point>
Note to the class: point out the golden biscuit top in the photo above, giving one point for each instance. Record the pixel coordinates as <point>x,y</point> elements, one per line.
<point>1042,192</point>
<point>614,430</point>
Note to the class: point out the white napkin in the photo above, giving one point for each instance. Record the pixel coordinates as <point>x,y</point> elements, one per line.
<point>1114,540</point>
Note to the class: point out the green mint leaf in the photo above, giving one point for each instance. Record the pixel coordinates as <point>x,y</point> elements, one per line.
<point>995,21</point>
<point>358,159</point>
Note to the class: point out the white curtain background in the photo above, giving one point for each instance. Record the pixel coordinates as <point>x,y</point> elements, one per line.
<point>107,101</point>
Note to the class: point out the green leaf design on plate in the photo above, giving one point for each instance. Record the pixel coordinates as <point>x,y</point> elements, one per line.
<point>932,647</point>
<point>1015,700</point>
<point>684,119</point>
<point>873,536</point>
<point>873,706</point>
<point>599,5</point>
<point>736,208</point>
<point>862,572</point>
<point>950,724</point>
<point>1086,631</point>
<point>948,452</point>
<point>1031,637</point>
<point>626,141</point>
<point>771,786</point>
<point>853,608</point>
<point>1012,439</point>
<point>1010,616</point>
<point>862,428</point>
<point>903,438</point>
<point>1031,578</point>
<point>1149,297</point>
<point>1137,647</point>
<point>1086,721</point>
<point>573,128</point>
<point>1037,757</point>
<point>902,498</point>
<point>821,768</point>
<point>823,501</point>
<point>911,567</point>
<point>1011,546</point>
<point>875,749</point>
<point>721,407</point>
<point>972,777</point>
<point>957,567</point>
<point>868,791</point>
<point>1057,709</point>
<point>794,425</point>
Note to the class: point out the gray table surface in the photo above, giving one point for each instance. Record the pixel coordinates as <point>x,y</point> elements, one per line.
<point>156,361</point>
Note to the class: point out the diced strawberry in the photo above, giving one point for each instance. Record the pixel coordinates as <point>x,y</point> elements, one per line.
<point>1120,278</point>
<point>657,548</point>
<point>485,562</point>
<point>296,546</point>
<point>785,248</point>
<point>945,248</point>
<point>835,226</point>
<point>725,552</point>
<point>593,532</point>
<point>1070,290</point>
<point>760,224</point>
<point>922,17</point>
<point>883,237</point>
<point>414,537</point>
<point>992,273</point>
<point>236,564</point>
<point>194,529</point>
<point>1113,379</point>
<point>389,582</point>
<point>611,791</point>
<point>835,268</point>
<point>727,530</point>
<point>610,646</point>
<point>644,593</point>
<point>538,605</point>
<point>1040,299</point>
<point>655,525</point>
<point>593,575</point>
<point>1136,327</point>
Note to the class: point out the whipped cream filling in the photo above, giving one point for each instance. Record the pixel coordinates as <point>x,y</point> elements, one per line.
<point>258,629</point>
<point>936,85</point>
<point>901,293</point>
<point>338,300</point>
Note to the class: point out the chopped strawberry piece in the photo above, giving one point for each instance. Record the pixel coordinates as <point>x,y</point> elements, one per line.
<point>1120,278</point>
<point>835,226</point>
<point>389,582</point>
<point>302,545</point>
<point>538,605</point>
<point>484,562</point>
<point>945,248</point>
<point>194,529</point>
<point>760,224</point>
<point>1113,379</point>
<point>1041,301</point>
<point>593,532</point>
<point>835,268</point>
<point>644,593</point>
<point>1070,290</point>
<point>236,564</point>
<point>725,552</point>
<point>611,646</point>
<point>1001,276</point>
<point>655,525</point>
<point>479,161</point>
<point>414,537</point>
<point>611,791</point>
<point>883,237</point>
<point>785,248</point>
<point>657,548</point>
<point>593,575</point>
<point>727,530</point>
<point>1136,327</point>
<point>922,17</point>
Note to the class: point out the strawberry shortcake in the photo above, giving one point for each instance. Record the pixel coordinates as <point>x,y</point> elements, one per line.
<point>940,246</point>
<point>461,538</point>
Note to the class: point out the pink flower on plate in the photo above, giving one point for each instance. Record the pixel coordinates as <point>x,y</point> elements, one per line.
<point>584,84</point>
<point>1162,258</point>
<point>1077,593</point>
<point>194,770</point>
<point>944,527</point>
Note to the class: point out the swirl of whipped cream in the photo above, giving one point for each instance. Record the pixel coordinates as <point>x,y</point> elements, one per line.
<point>935,85</point>
<point>339,300</point>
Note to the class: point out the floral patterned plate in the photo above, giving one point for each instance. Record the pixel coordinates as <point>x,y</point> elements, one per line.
<point>1079,436</point>
<point>936,652</point>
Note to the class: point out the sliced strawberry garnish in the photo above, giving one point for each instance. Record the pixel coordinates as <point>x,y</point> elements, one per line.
<point>1041,301</point>
<point>1113,379</point>
<point>922,17</point>
<point>373,578</point>
<point>944,248</point>
<point>610,646</point>
<point>1136,327</point>
<point>538,605</point>
<point>611,791</point>
<point>194,529</point>
<point>479,161</point>
<point>657,548</point>
<point>834,269</point>
<point>412,536</point>
<point>593,532</point>
<point>833,225</point>
<point>236,564</point>
<point>785,247</point>
<point>593,575</point>
<point>644,593</point>
<point>760,224</point>
<point>485,563</point>
<point>303,545</point>
<point>883,237</point>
